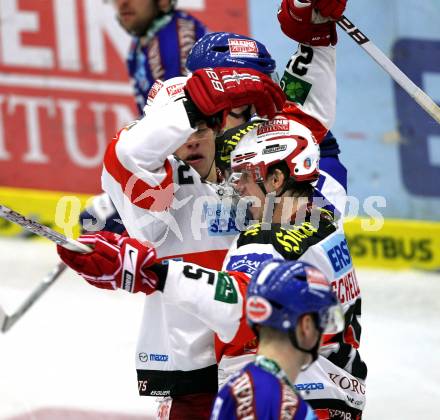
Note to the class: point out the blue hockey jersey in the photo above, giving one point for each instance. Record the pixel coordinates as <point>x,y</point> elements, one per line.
<point>162,52</point>
<point>261,390</point>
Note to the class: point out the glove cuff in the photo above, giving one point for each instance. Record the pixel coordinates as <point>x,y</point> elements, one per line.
<point>161,271</point>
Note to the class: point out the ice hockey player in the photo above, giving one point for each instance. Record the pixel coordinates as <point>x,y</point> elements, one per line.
<point>217,49</point>
<point>162,40</point>
<point>289,310</point>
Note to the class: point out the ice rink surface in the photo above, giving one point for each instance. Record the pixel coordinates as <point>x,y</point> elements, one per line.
<point>72,355</point>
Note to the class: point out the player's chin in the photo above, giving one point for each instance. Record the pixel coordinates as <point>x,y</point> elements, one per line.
<point>198,164</point>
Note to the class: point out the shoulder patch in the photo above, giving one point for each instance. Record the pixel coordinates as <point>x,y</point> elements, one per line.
<point>225,290</point>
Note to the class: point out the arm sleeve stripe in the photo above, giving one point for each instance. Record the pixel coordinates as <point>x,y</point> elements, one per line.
<point>140,193</point>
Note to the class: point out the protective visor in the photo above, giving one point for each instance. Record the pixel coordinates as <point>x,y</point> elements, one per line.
<point>332,320</point>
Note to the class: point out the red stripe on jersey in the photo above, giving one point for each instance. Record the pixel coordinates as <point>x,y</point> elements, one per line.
<point>322,413</point>
<point>350,337</point>
<point>245,340</point>
<point>141,194</point>
<point>294,112</point>
<point>328,339</point>
<point>209,259</point>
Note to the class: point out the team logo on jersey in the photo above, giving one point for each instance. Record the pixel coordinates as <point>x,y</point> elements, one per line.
<point>221,219</point>
<point>157,85</point>
<point>243,48</point>
<point>258,309</point>
<point>247,263</point>
<point>225,290</point>
<point>273,126</point>
<point>175,90</point>
<point>158,357</point>
<point>143,357</point>
<point>311,386</point>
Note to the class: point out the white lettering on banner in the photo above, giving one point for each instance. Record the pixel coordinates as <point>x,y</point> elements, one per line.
<point>31,104</point>
<point>13,23</point>
<point>100,24</point>
<point>33,107</point>
<point>68,110</point>
<point>123,114</point>
<point>65,84</point>
<point>4,154</point>
<point>100,18</point>
<point>67,39</point>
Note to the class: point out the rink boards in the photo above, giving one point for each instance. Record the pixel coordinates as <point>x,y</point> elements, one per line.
<point>398,244</point>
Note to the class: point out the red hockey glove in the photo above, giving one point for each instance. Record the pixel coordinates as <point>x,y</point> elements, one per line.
<point>297,20</point>
<point>331,8</point>
<point>215,92</point>
<point>116,263</point>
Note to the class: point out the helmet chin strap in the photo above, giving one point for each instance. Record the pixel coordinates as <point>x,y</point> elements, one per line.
<point>283,189</point>
<point>203,178</point>
<point>314,351</point>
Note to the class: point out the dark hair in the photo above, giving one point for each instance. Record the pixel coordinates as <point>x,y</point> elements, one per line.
<point>299,189</point>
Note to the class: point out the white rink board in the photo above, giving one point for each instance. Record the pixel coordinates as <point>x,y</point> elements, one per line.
<point>75,348</point>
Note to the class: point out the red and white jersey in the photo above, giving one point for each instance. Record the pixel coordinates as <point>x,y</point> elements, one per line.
<point>218,298</point>
<point>164,201</point>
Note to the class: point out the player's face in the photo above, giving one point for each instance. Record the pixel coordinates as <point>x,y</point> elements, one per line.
<point>247,187</point>
<point>199,152</point>
<point>135,16</point>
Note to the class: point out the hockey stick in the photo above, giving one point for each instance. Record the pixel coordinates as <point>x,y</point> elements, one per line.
<point>399,77</point>
<point>41,230</point>
<point>7,321</point>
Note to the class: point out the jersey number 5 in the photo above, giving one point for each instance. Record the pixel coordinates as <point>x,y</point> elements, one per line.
<point>197,273</point>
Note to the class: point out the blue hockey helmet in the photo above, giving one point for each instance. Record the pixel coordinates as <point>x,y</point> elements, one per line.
<point>227,49</point>
<point>280,292</point>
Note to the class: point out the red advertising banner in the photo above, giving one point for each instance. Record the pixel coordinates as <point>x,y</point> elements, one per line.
<point>64,91</point>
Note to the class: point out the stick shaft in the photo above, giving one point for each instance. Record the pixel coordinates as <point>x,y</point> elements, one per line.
<point>7,321</point>
<point>399,77</point>
<point>41,230</point>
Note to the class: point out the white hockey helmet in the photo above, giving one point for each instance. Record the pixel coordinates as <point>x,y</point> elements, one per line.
<point>161,93</point>
<point>274,141</point>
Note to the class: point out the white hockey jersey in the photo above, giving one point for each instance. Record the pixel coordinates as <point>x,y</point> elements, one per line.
<point>164,201</point>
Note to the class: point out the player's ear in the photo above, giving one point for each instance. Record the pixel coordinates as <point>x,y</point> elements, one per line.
<point>307,331</point>
<point>277,179</point>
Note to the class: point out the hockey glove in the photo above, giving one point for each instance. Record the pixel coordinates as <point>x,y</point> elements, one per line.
<point>302,23</point>
<point>332,9</point>
<point>213,93</point>
<point>116,263</point>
